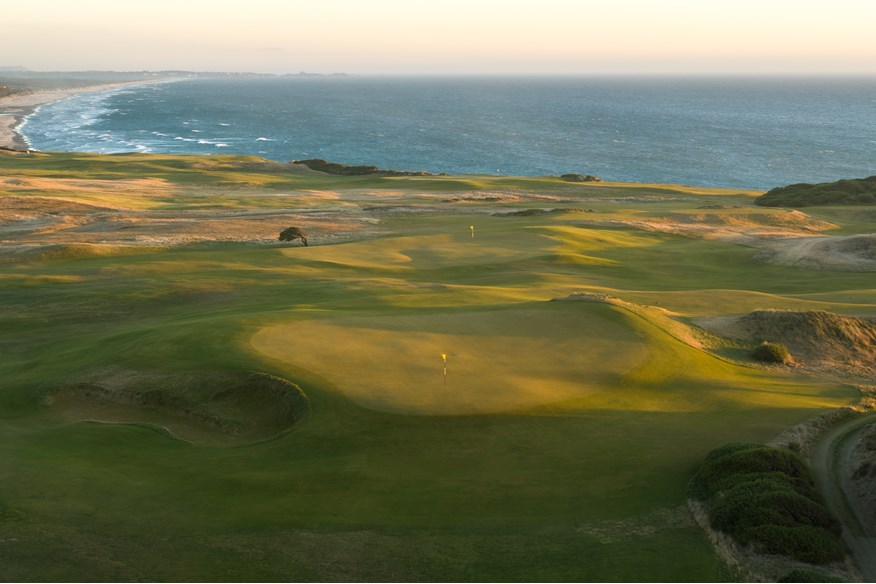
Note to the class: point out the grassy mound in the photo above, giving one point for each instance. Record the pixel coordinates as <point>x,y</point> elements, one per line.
<point>860,191</point>
<point>215,408</point>
<point>766,497</point>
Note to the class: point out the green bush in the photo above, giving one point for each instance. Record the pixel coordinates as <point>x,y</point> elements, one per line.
<point>804,542</point>
<point>766,497</point>
<point>778,480</point>
<point>731,448</point>
<point>767,502</point>
<point>772,353</point>
<point>718,473</point>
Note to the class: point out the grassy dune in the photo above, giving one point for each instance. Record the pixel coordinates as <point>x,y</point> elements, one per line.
<point>559,449</point>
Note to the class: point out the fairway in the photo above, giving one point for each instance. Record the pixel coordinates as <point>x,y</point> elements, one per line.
<point>560,447</point>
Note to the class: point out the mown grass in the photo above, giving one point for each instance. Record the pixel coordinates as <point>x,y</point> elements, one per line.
<point>377,484</point>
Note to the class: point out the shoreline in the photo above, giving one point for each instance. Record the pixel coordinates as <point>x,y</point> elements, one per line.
<point>15,108</point>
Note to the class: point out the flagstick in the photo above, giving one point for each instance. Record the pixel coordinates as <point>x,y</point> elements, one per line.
<point>472,231</point>
<point>444,356</point>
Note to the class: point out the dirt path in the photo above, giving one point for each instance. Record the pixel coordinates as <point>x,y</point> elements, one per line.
<point>830,461</point>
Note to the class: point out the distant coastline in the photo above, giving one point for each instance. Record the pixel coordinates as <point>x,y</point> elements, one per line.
<point>752,134</point>
<point>15,108</point>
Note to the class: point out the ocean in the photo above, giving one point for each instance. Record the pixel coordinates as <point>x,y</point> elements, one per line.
<point>752,133</point>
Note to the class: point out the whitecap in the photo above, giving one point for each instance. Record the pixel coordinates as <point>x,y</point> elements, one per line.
<point>263,139</point>
<point>220,145</point>
<point>223,124</point>
<point>197,131</point>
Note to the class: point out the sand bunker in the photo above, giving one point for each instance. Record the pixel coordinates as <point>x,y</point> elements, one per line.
<point>818,339</point>
<point>855,253</point>
<point>205,408</point>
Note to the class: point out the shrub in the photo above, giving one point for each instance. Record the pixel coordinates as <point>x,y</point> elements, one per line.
<point>772,353</point>
<point>293,233</point>
<point>718,473</point>
<point>731,448</point>
<point>766,497</point>
<point>777,479</point>
<point>767,502</point>
<point>804,542</point>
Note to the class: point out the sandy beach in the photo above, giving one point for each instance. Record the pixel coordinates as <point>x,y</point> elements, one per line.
<point>14,108</point>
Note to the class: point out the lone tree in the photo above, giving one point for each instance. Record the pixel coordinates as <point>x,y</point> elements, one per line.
<point>293,233</point>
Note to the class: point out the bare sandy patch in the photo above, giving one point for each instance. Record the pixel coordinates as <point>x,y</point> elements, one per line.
<point>744,227</point>
<point>855,253</point>
<point>817,339</point>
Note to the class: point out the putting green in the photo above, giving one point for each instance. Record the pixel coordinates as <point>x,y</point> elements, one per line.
<point>497,361</point>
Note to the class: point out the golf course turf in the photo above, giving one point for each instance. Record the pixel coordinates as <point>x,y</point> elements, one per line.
<point>559,447</point>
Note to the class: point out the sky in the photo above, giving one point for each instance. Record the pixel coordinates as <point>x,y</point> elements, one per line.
<point>447,37</point>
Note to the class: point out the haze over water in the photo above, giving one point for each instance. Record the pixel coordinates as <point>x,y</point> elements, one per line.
<point>731,132</point>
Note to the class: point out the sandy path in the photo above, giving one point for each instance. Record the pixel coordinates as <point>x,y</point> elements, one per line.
<point>14,108</point>
<point>830,459</point>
